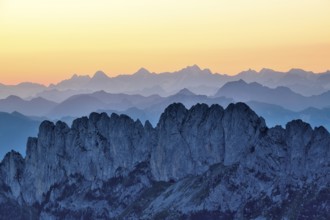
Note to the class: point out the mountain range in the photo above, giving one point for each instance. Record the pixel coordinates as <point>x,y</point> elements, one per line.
<point>143,82</point>
<point>278,106</point>
<point>34,107</point>
<point>240,91</point>
<point>300,81</point>
<point>23,90</point>
<point>205,162</point>
<point>83,104</point>
<point>268,102</point>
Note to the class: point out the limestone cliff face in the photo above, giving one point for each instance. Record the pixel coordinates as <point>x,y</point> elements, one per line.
<point>189,141</point>
<point>94,147</point>
<point>206,161</point>
<point>11,172</point>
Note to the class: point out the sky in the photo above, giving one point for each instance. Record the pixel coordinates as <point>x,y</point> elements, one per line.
<point>48,41</point>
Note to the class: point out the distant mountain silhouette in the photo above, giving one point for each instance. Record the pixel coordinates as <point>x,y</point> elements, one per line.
<point>185,92</point>
<point>137,106</point>
<point>142,72</point>
<point>24,90</point>
<point>146,83</point>
<point>80,105</point>
<point>99,80</point>
<point>60,95</point>
<point>279,103</point>
<point>300,81</point>
<point>77,105</point>
<point>241,91</point>
<point>74,83</point>
<point>149,91</point>
<point>277,115</point>
<point>34,107</point>
<point>83,104</point>
<point>197,80</point>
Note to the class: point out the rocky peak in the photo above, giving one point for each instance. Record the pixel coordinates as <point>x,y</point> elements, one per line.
<point>182,143</point>
<point>148,125</point>
<point>297,129</point>
<point>224,159</point>
<point>321,132</point>
<point>242,127</point>
<point>174,113</point>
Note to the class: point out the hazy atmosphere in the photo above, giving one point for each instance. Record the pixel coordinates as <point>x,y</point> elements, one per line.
<point>154,109</point>
<point>46,41</point>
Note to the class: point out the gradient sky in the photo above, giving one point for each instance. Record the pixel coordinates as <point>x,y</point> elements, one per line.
<point>47,41</point>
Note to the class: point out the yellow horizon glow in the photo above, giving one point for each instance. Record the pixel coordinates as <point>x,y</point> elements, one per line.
<point>48,41</point>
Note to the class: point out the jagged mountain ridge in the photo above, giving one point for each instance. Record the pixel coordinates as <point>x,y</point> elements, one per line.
<point>143,82</point>
<point>203,162</point>
<point>200,81</point>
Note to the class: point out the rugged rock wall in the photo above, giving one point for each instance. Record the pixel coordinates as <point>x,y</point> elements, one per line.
<point>201,162</point>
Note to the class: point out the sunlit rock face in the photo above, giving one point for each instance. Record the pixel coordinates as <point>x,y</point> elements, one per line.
<point>205,162</point>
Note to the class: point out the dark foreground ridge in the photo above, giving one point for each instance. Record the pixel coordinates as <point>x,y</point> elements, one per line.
<point>201,163</point>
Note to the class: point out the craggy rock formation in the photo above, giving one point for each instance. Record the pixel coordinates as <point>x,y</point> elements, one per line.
<point>201,163</point>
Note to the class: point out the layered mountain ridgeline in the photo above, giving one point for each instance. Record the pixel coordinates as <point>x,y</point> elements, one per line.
<point>277,106</point>
<point>201,163</point>
<point>200,81</point>
<point>240,91</point>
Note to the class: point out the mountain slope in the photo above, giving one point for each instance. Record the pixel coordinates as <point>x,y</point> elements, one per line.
<point>205,162</point>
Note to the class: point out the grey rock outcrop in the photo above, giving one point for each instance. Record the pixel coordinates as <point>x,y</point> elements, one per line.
<point>190,141</point>
<point>204,162</point>
<point>94,147</point>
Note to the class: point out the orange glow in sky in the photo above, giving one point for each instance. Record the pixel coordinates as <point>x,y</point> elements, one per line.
<point>47,41</point>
